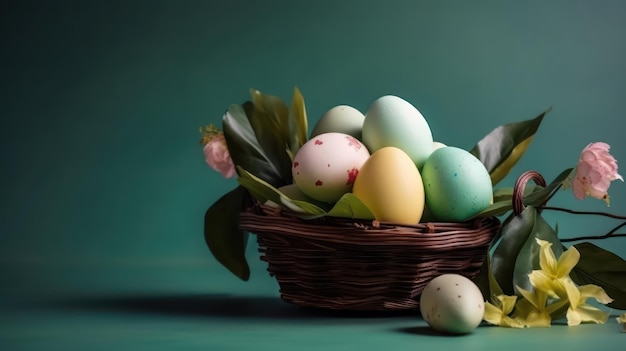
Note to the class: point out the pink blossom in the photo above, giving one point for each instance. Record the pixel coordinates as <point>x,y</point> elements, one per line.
<point>595,171</point>
<point>217,156</point>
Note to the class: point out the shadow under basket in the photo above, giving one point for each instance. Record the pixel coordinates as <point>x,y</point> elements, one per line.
<point>364,265</point>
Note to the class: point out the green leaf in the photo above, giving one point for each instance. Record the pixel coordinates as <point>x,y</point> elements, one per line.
<point>500,150</point>
<point>534,195</point>
<point>269,118</point>
<point>264,191</point>
<point>517,253</point>
<point>515,232</point>
<point>496,209</point>
<point>528,256</point>
<point>502,194</point>
<point>486,281</point>
<point>245,149</point>
<point>349,206</point>
<point>603,268</point>
<point>298,127</point>
<point>222,234</point>
<point>537,198</point>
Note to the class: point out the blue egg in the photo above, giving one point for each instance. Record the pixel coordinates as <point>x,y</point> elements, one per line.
<point>456,184</point>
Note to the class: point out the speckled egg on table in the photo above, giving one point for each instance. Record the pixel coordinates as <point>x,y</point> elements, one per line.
<point>451,303</point>
<point>326,166</point>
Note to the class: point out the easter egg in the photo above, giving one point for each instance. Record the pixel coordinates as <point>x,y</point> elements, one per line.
<point>340,119</point>
<point>393,121</point>
<point>453,304</point>
<point>390,185</point>
<point>327,165</point>
<point>456,183</point>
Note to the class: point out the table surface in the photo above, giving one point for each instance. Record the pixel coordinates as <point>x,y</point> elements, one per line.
<point>197,305</point>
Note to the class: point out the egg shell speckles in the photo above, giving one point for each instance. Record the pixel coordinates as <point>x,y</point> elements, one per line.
<point>327,165</point>
<point>453,304</point>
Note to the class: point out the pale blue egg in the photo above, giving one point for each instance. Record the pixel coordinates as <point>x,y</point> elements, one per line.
<point>393,121</point>
<point>456,184</point>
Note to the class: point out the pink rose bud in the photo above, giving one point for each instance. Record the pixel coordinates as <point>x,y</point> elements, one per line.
<point>217,156</point>
<point>595,171</point>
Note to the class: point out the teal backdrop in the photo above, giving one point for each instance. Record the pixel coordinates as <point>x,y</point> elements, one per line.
<point>104,184</point>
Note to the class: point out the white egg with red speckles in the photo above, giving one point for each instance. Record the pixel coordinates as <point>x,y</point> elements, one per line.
<point>325,167</point>
<point>453,304</point>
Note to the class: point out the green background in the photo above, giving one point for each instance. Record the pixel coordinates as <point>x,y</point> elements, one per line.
<point>104,184</point>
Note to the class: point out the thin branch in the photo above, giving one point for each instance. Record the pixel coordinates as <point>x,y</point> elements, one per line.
<point>599,213</point>
<point>591,237</point>
<point>609,234</point>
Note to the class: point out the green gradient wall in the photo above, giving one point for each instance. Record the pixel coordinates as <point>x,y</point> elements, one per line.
<point>101,104</point>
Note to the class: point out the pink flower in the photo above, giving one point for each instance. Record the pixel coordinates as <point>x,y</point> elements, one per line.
<point>595,171</point>
<point>217,156</point>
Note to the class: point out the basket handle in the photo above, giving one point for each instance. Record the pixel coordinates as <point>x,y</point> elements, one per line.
<point>520,186</point>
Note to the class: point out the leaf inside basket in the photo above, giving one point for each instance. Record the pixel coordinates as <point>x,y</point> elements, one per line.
<point>264,191</point>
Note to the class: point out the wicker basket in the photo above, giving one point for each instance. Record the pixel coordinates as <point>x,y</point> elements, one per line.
<point>344,264</point>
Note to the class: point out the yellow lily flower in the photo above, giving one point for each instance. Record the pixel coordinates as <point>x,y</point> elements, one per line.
<point>498,312</point>
<point>553,276</point>
<point>579,311</point>
<point>531,310</point>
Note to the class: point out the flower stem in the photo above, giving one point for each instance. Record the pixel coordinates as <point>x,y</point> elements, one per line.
<point>610,234</point>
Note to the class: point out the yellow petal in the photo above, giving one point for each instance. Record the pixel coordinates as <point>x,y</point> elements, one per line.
<point>511,323</point>
<point>591,290</point>
<point>507,303</point>
<point>573,317</point>
<point>499,316</point>
<point>586,313</point>
<point>541,281</point>
<point>621,319</point>
<point>531,316</point>
<point>547,261</point>
<point>493,314</point>
<point>567,262</point>
<point>573,294</point>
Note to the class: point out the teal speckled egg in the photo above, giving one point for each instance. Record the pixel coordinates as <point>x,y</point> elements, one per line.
<point>456,184</point>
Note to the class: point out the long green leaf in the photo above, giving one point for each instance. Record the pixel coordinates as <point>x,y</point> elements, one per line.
<point>603,268</point>
<point>537,198</point>
<point>515,232</point>
<point>222,234</point>
<point>269,118</point>
<point>245,149</point>
<point>500,150</point>
<point>486,281</point>
<point>528,256</point>
<point>264,191</point>
<point>534,195</point>
<point>349,206</point>
<point>298,127</point>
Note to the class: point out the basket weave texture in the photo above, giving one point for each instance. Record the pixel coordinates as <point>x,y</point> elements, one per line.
<point>347,264</point>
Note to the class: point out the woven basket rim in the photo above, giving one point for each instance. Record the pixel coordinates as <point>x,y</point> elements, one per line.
<point>267,220</point>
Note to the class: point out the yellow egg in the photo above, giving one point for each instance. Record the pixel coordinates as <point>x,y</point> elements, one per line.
<point>390,185</point>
